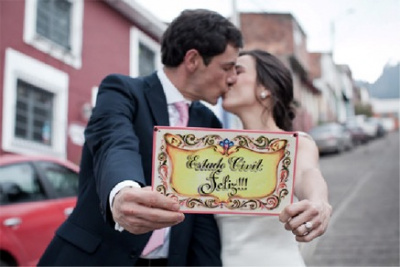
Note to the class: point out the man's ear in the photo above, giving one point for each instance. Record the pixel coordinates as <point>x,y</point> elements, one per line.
<point>192,59</point>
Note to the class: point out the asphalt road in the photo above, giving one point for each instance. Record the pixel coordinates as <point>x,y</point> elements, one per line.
<point>364,192</point>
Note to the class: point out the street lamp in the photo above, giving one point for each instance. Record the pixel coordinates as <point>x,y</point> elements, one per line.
<point>332,25</point>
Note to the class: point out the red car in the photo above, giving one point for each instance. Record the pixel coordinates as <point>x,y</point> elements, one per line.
<point>36,195</point>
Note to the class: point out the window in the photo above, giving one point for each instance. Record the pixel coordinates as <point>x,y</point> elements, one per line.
<point>33,116</point>
<point>145,54</point>
<point>35,101</point>
<point>19,183</point>
<point>55,28</point>
<point>147,58</point>
<point>64,181</point>
<point>53,21</point>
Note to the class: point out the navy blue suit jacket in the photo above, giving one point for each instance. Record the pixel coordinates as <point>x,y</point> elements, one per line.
<point>118,146</point>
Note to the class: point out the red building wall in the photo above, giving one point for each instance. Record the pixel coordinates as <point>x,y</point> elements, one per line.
<point>272,32</point>
<point>105,50</point>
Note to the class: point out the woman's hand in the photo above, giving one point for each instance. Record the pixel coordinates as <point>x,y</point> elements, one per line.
<point>306,219</point>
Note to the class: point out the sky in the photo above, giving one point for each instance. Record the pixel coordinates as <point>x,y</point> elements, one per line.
<point>366,32</point>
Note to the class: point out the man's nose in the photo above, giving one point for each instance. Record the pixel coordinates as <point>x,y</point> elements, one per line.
<point>232,78</point>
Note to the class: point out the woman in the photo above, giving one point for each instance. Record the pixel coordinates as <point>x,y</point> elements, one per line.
<point>262,98</point>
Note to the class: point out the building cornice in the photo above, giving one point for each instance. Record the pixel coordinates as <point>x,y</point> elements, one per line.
<point>139,16</point>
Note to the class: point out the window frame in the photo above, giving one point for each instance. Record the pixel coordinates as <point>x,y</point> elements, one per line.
<point>136,37</point>
<point>46,77</point>
<point>72,57</point>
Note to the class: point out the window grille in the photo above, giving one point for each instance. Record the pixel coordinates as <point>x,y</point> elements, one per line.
<point>54,21</point>
<point>34,113</point>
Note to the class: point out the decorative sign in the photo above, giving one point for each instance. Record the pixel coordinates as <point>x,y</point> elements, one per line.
<point>225,171</point>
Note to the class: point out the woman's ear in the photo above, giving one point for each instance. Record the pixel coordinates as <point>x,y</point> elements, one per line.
<point>263,93</point>
<point>192,59</point>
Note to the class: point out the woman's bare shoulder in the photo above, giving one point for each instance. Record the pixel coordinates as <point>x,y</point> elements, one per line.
<point>306,141</point>
<point>305,135</point>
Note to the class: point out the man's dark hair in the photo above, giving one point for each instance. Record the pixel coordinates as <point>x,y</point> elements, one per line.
<point>206,31</point>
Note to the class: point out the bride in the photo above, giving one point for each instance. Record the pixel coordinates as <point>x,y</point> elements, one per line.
<point>262,98</point>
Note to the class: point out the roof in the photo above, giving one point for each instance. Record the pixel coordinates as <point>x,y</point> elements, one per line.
<point>140,16</point>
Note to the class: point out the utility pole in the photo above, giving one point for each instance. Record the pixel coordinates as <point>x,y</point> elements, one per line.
<point>235,14</point>
<point>333,29</point>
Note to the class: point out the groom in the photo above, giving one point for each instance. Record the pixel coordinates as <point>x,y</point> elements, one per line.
<point>116,212</point>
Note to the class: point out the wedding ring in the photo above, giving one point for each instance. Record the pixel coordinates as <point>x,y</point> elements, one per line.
<point>308,226</point>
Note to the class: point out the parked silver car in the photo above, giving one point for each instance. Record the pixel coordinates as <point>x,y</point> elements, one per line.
<point>332,137</point>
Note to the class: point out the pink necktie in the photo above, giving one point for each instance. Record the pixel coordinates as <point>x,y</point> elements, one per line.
<point>183,110</point>
<point>156,240</point>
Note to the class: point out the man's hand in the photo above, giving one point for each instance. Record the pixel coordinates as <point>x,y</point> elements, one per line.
<point>140,210</point>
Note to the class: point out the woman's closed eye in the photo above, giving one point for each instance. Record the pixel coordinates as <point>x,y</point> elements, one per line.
<point>239,70</point>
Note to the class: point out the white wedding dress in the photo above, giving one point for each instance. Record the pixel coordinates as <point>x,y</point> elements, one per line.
<point>257,240</point>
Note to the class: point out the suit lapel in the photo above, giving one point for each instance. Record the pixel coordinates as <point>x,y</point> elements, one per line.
<point>156,100</point>
<point>195,118</point>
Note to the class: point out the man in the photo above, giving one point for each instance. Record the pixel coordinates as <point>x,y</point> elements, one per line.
<point>116,212</point>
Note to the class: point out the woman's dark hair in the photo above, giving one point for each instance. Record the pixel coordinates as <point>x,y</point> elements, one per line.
<point>276,78</point>
<point>206,31</point>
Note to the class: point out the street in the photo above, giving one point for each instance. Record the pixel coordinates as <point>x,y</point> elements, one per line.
<point>364,192</point>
